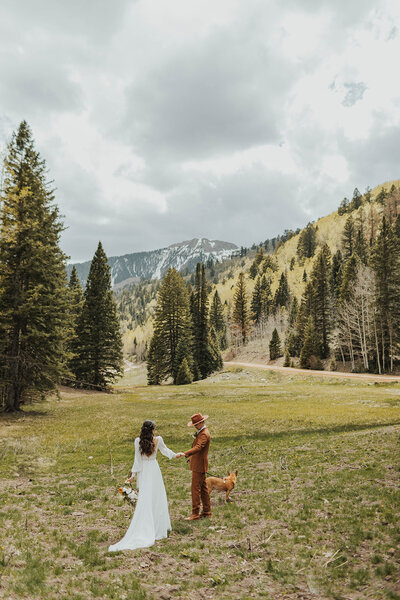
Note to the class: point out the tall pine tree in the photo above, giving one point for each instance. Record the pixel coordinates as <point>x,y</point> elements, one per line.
<point>32,278</point>
<point>205,354</point>
<point>98,358</point>
<point>385,260</point>
<point>217,320</point>
<point>75,306</point>
<point>172,337</point>
<point>321,305</point>
<point>240,313</point>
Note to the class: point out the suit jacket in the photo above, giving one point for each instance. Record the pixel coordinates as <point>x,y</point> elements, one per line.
<point>198,453</point>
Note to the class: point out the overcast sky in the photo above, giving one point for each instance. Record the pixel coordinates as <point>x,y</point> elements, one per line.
<point>163,121</point>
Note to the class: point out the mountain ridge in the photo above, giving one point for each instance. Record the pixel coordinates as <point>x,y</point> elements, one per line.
<point>153,264</point>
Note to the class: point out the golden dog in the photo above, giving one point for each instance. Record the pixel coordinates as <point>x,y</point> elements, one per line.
<point>223,485</point>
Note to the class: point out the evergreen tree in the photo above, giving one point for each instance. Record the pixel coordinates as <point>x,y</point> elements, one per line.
<point>381,197</point>
<point>275,345</point>
<point>172,329</point>
<point>266,296</point>
<point>336,273</point>
<point>253,270</point>
<point>33,324</point>
<point>321,309</point>
<point>348,278</point>
<point>348,237</point>
<point>99,346</point>
<point>286,362</point>
<point>184,375</point>
<point>357,200</point>
<point>215,350</point>
<point>307,241</point>
<point>292,263</point>
<point>281,297</point>
<point>204,354</point>
<point>75,306</point>
<point>385,261</point>
<point>157,361</point>
<point>256,302</point>
<point>303,314</point>
<point>360,246</point>
<point>304,275</point>
<point>343,207</point>
<point>294,307</point>
<point>310,343</point>
<point>259,256</point>
<point>240,315</point>
<point>217,320</point>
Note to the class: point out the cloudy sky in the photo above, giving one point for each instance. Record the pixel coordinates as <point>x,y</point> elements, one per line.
<point>163,121</point>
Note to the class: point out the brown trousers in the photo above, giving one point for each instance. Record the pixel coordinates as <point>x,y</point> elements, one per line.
<point>200,492</point>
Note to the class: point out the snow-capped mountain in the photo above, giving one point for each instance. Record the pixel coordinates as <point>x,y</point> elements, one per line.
<point>154,264</point>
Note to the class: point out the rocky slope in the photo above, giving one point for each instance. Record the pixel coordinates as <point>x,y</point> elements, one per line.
<point>154,264</point>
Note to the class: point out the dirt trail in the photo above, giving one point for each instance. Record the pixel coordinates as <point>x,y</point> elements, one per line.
<point>306,372</point>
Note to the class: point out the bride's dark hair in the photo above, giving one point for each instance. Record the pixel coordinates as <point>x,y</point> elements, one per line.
<point>146,442</point>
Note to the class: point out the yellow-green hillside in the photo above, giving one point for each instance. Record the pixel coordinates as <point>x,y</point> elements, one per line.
<point>329,231</point>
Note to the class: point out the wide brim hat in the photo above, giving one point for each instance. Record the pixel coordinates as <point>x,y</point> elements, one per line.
<point>196,419</point>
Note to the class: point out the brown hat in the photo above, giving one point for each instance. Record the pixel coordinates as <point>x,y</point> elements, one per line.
<point>196,419</point>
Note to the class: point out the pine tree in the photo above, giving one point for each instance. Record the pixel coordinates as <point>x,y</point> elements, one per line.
<point>336,273</point>
<point>240,315</point>
<point>310,343</point>
<point>75,306</point>
<point>204,354</point>
<point>294,307</point>
<point>321,306</point>
<point>303,314</point>
<point>282,295</point>
<point>256,302</point>
<point>172,329</point>
<point>307,242</point>
<point>286,362</point>
<point>157,361</point>
<point>217,320</point>
<point>266,296</point>
<point>356,201</point>
<point>99,347</point>
<point>385,261</point>
<point>343,207</point>
<point>348,237</point>
<point>275,345</point>
<point>253,270</point>
<point>184,375</point>
<point>381,197</point>
<point>348,278</point>
<point>33,323</point>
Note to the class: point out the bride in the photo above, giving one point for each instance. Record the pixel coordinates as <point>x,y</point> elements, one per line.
<point>151,520</point>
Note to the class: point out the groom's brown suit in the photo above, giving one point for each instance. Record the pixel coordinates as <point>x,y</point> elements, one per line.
<point>198,461</point>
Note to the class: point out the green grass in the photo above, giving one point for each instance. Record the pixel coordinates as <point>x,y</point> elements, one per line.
<point>315,512</point>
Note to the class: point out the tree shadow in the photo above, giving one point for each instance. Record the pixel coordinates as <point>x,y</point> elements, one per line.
<point>329,429</point>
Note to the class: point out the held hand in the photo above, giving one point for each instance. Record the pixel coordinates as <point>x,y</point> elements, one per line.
<point>180,455</point>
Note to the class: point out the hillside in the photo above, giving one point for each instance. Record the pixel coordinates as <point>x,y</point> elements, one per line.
<point>139,266</point>
<point>224,276</point>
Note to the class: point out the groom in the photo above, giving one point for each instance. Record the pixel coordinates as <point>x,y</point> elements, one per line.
<point>198,460</point>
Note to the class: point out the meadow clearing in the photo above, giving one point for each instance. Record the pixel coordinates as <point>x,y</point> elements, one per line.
<point>315,513</point>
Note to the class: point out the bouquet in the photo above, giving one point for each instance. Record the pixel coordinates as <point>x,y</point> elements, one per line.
<point>128,493</point>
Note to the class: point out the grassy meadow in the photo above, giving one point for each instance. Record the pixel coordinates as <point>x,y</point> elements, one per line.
<point>315,513</point>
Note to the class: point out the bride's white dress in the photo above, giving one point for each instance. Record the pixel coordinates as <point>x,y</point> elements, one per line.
<point>150,521</point>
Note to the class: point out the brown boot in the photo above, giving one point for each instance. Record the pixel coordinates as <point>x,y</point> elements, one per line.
<point>192,517</point>
<point>205,516</point>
